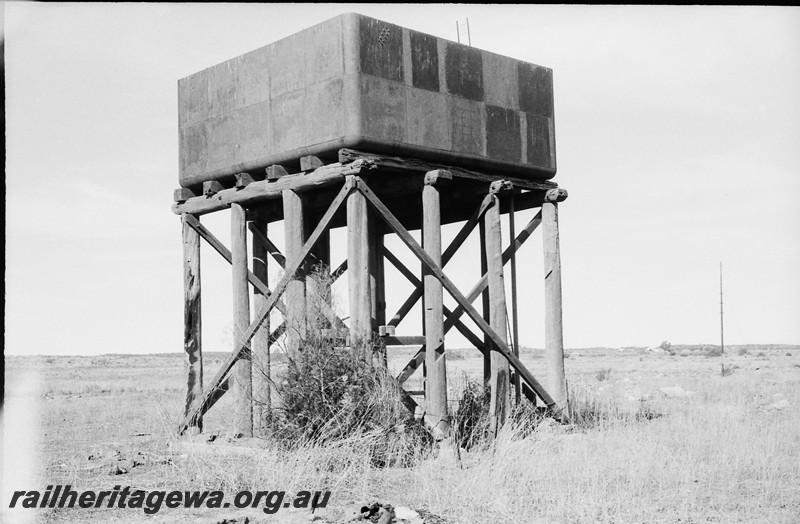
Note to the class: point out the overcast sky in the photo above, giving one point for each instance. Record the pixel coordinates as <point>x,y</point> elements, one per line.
<point>677,132</point>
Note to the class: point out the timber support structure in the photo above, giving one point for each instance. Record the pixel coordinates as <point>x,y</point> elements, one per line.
<point>372,196</point>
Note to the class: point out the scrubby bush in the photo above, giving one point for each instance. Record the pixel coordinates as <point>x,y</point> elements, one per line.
<point>741,351</point>
<point>603,374</point>
<point>329,392</point>
<point>471,419</point>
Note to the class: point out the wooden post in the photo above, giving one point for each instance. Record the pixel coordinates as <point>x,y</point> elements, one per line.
<point>318,290</point>
<point>377,284</point>
<point>553,333</point>
<point>192,336</point>
<point>262,385</point>
<point>294,233</point>
<point>359,275</point>
<point>243,408</point>
<point>487,343</point>
<point>435,363</point>
<point>500,401</point>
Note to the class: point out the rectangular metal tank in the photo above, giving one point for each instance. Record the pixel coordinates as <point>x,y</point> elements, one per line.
<point>360,83</point>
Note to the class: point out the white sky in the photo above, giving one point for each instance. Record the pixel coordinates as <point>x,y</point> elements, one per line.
<point>677,132</point>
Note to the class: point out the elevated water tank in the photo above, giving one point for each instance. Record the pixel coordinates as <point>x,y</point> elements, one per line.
<point>360,83</point>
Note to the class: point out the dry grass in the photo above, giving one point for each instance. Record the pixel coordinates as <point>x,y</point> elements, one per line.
<point>729,451</point>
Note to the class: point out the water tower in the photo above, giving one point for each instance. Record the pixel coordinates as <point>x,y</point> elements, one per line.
<point>363,124</point>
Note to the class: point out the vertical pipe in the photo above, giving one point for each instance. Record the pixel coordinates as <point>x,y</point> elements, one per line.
<point>553,332</point>
<point>500,402</point>
<point>293,227</point>
<point>192,325</point>
<point>435,363</point>
<point>262,385</point>
<point>243,410</point>
<point>358,275</point>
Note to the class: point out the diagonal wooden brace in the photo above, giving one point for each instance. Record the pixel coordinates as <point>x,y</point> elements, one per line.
<point>281,260</point>
<point>244,342</point>
<point>226,254</point>
<point>420,354</point>
<point>446,256</point>
<point>435,270</point>
<point>453,318</point>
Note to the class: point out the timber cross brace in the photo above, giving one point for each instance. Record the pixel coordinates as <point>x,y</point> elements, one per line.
<point>380,195</point>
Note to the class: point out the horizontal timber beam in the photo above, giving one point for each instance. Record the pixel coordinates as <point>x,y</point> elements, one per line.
<point>413,164</point>
<point>272,189</point>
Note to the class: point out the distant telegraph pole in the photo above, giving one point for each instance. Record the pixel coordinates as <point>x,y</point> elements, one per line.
<point>721,324</point>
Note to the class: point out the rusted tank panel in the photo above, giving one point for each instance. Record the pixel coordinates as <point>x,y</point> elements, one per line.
<point>361,83</point>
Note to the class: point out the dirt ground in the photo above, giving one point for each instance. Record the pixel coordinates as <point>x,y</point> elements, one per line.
<point>105,421</point>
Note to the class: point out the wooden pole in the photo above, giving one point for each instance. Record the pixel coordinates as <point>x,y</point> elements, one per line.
<point>318,291</point>
<point>192,326</point>
<point>262,386</point>
<point>377,284</point>
<point>359,275</point>
<point>435,363</point>
<point>500,401</point>
<point>243,409</point>
<point>553,332</point>
<point>294,232</point>
<point>512,232</point>
<point>487,357</point>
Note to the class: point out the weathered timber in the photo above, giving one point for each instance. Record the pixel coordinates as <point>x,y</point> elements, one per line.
<point>451,250</point>
<point>243,390</point>
<point>360,298</point>
<point>514,311</point>
<point>412,244</point>
<point>211,188</point>
<point>500,399</point>
<point>417,283</point>
<point>310,162</point>
<point>192,325</point>
<point>262,190</point>
<point>294,237</point>
<point>377,286</point>
<point>553,333</point>
<point>435,361</point>
<point>220,248</point>
<point>482,283</point>
<point>243,180</point>
<point>261,361</point>
<point>226,384</point>
<point>275,172</point>
<point>311,291</point>
<point>412,164</point>
<point>244,342</point>
<point>487,355</point>
<point>182,194</point>
<point>408,340</point>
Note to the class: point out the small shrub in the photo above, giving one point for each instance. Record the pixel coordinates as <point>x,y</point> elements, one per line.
<point>714,352</point>
<point>603,374</point>
<point>665,346</point>
<point>788,353</point>
<point>741,351</point>
<point>761,354</point>
<point>471,419</point>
